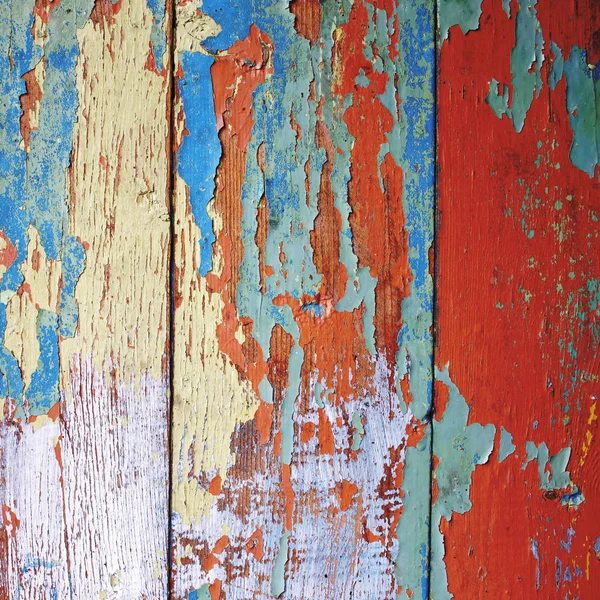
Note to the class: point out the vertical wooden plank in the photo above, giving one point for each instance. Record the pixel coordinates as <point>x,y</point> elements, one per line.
<point>516,502</point>
<point>84,229</point>
<point>303,299</point>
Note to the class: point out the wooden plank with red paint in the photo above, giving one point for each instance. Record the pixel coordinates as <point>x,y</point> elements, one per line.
<point>517,302</point>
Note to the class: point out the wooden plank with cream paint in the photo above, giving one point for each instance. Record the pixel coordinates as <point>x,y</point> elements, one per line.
<point>85,237</point>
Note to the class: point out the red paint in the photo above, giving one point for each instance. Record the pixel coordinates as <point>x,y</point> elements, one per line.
<point>212,560</point>
<point>235,76</point>
<point>308,18</point>
<point>42,10</point>
<point>508,361</point>
<point>8,251</point>
<point>11,521</point>
<point>347,492</point>
<point>255,545</point>
<point>30,102</point>
<point>374,208</point>
<point>104,12</point>
<point>215,485</point>
<point>325,434</point>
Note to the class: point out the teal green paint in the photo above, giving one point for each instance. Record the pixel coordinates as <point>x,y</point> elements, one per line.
<point>464,13</point>
<point>506,445</point>
<point>460,448</point>
<point>278,575</point>
<point>359,431</point>
<point>201,594</point>
<point>558,64</point>
<point>582,85</point>
<point>498,102</point>
<point>361,290</point>
<point>413,528</point>
<point>560,477</point>
<point>552,470</point>
<point>411,144</point>
<point>409,97</point>
<point>526,61</point>
<point>506,7</point>
<point>582,105</point>
<point>288,405</point>
<point>291,214</point>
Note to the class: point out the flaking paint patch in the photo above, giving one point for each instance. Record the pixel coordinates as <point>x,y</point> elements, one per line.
<point>464,13</point>
<point>113,372</point>
<point>527,59</point>
<point>210,400</point>
<point>583,94</point>
<point>114,170</point>
<point>459,447</point>
<point>582,85</point>
<point>506,445</point>
<point>549,206</point>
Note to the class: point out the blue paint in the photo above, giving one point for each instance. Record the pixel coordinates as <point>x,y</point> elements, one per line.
<point>158,38</point>
<point>558,572</point>
<point>573,500</point>
<point>536,554</point>
<point>35,562</point>
<point>73,264</point>
<point>196,92</point>
<point>42,393</point>
<point>291,215</point>
<point>33,184</point>
<point>11,383</point>
<point>424,554</point>
<point>314,308</point>
<point>567,545</point>
<point>417,122</point>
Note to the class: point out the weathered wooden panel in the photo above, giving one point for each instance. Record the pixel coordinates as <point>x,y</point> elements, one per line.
<point>303,299</point>
<point>315,450</point>
<point>518,327</point>
<point>85,236</point>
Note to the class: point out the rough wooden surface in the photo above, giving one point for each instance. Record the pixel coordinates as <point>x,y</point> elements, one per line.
<point>375,394</point>
<point>86,233</point>
<point>518,322</point>
<point>302,357</point>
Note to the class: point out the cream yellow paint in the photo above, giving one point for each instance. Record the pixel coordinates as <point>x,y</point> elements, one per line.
<point>117,201</point>
<point>39,291</point>
<point>193,27</point>
<point>210,400</point>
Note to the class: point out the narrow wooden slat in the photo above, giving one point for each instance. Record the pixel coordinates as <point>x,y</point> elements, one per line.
<point>85,235</point>
<point>303,299</point>
<point>516,497</point>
